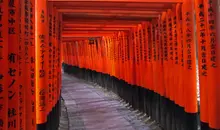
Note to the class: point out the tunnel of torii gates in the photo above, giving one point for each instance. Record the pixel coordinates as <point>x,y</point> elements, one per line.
<point>144,50</point>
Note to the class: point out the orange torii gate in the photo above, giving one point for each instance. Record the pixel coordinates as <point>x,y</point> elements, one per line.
<point>170,65</point>
<point>146,51</point>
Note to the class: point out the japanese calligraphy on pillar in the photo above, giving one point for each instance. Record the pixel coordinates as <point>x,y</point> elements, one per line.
<point>175,54</point>
<point>170,76</point>
<point>22,74</point>
<point>165,50</point>
<point>144,45</point>
<point>54,87</point>
<point>59,52</point>
<point>212,33</point>
<point>13,42</point>
<point>26,31</point>
<point>154,56</point>
<point>165,46</point>
<point>189,57</point>
<point>158,27</point>
<point>140,43</point>
<point>158,53</point>
<point>145,42</point>
<point>122,55</point>
<point>4,65</point>
<point>130,57</point>
<point>137,47</point>
<point>128,52</point>
<point>58,23</point>
<point>50,71</point>
<point>134,57</point>
<point>202,40</point>
<point>122,48</point>
<point>180,35</point>
<point>202,59</point>
<point>32,73</point>
<point>42,71</point>
<point>161,54</point>
<point>213,48</point>
<point>126,56</point>
<point>132,48</point>
<point>175,43</point>
<point>150,55</point>
<point>41,61</point>
<point>170,38</point>
<point>188,39</point>
<point>154,53</point>
<point>180,67</point>
<point>141,47</point>
<point>149,43</point>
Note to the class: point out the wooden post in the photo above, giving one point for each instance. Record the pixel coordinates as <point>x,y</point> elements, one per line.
<point>13,70</point>
<point>41,64</point>
<point>4,80</point>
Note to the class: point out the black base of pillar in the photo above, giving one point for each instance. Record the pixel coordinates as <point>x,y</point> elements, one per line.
<point>204,126</point>
<point>53,119</point>
<point>191,121</point>
<point>42,126</point>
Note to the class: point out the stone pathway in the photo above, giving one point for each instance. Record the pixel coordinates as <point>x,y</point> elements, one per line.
<point>90,107</point>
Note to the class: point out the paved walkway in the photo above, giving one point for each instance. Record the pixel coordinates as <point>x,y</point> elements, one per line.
<point>89,107</point>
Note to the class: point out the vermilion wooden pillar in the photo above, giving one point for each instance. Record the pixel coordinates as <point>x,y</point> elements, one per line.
<point>136,61</point>
<point>23,64</point>
<point>165,52</point>
<point>190,57</point>
<point>132,60</point>
<point>202,60</point>
<point>159,61</point>
<point>175,55</point>
<point>13,70</point>
<point>59,58</point>
<point>145,54</point>
<point>170,55</point>
<point>32,73</point>
<point>50,52</point>
<point>149,57</point>
<point>54,54</point>
<point>4,81</point>
<point>213,40</point>
<point>141,39</point>
<point>126,42</point>
<point>41,63</point>
<point>154,57</point>
<point>180,55</point>
<point>190,86</point>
